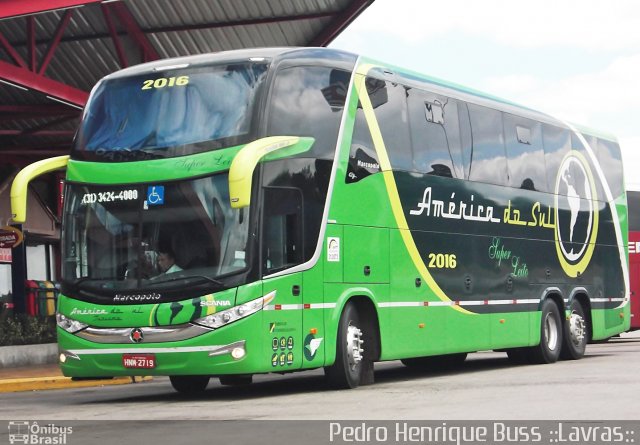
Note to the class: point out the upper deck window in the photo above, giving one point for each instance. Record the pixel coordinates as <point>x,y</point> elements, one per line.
<point>170,113</point>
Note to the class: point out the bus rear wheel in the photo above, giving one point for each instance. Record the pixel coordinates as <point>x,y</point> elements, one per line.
<point>576,333</point>
<point>189,384</point>
<point>551,329</point>
<point>348,368</point>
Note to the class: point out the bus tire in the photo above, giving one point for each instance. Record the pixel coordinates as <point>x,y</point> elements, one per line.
<point>551,329</point>
<point>576,333</point>
<point>236,380</point>
<point>189,384</point>
<point>349,366</point>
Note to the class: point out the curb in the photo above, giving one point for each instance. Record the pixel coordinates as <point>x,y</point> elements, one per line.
<point>28,355</point>
<point>46,383</point>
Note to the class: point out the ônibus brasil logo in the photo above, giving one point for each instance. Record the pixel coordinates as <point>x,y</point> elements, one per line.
<point>32,433</point>
<point>576,214</point>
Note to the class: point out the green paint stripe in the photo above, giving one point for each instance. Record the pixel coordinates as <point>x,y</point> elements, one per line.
<point>152,171</point>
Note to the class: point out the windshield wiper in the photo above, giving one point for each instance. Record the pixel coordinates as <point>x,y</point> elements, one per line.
<point>88,286</point>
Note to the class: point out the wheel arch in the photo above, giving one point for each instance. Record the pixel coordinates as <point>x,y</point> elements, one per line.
<point>554,294</point>
<point>364,299</point>
<point>581,295</point>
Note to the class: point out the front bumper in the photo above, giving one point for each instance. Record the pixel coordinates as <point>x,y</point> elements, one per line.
<point>219,352</point>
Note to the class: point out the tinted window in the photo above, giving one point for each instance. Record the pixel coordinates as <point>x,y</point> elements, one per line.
<point>525,153</point>
<point>577,145</point>
<point>488,161</point>
<point>465,138</point>
<point>363,159</point>
<point>610,160</point>
<point>307,181</point>
<point>557,143</point>
<point>435,134</point>
<point>389,105</point>
<point>308,101</point>
<point>592,141</point>
<point>633,201</point>
<point>174,113</point>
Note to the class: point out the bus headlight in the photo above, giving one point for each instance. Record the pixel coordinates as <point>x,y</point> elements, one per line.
<point>68,324</point>
<point>228,316</point>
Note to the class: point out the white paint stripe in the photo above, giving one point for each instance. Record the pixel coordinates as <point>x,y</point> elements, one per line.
<point>614,212</point>
<point>472,303</point>
<point>607,300</point>
<point>401,304</point>
<point>283,307</point>
<point>297,307</point>
<point>457,303</point>
<point>322,305</point>
<point>441,303</point>
<point>394,304</point>
<point>145,350</point>
<point>500,302</point>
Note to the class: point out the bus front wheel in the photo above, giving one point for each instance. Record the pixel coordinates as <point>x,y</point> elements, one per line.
<point>348,368</point>
<point>189,384</point>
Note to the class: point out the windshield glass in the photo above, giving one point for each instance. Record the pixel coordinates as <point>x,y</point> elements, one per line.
<point>151,236</point>
<point>170,113</point>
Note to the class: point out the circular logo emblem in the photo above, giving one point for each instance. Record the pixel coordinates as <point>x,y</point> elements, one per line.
<point>136,335</point>
<point>576,214</point>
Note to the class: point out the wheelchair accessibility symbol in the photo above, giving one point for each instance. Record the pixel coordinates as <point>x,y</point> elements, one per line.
<point>155,195</point>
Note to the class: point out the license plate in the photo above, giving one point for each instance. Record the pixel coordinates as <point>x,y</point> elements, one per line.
<point>139,361</point>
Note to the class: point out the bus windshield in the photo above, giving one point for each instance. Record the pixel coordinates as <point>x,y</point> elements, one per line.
<point>170,113</point>
<point>150,236</point>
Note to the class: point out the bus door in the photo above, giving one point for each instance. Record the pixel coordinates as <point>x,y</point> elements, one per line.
<point>282,248</point>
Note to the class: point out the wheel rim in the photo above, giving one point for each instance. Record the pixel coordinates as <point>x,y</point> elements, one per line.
<point>354,346</point>
<point>576,328</point>
<point>551,331</point>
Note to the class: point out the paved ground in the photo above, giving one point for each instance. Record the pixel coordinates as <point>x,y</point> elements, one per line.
<point>45,377</point>
<point>603,385</point>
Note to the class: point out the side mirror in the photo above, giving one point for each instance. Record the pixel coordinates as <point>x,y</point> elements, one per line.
<point>24,177</point>
<point>245,161</point>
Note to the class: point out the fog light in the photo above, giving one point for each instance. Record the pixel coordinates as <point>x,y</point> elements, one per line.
<point>66,355</point>
<point>238,353</point>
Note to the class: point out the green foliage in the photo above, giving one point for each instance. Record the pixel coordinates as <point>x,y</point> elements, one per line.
<point>26,330</point>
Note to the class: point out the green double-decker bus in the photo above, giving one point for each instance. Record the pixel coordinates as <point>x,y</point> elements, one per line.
<point>275,210</point>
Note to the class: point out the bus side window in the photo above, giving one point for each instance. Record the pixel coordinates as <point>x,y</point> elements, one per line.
<point>363,159</point>
<point>466,140</point>
<point>610,160</point>
<point>390,107</point>
<point>435,134</point>
<point>578,145</point>
<point>525,155</point>
<point>633,200</point>
<point>488,161</point>
<point>557,143</point>
<point>308,101</point>
<point>282,232</point>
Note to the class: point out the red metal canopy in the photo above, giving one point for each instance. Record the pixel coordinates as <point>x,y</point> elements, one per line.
<point>53,51</point>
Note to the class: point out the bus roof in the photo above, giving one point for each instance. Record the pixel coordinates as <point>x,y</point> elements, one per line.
<point>348,60</point>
